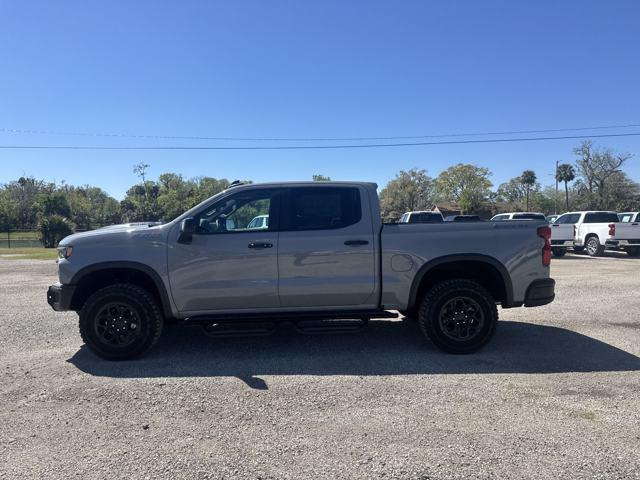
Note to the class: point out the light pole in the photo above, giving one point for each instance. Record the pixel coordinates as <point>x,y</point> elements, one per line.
<point>555,198</point>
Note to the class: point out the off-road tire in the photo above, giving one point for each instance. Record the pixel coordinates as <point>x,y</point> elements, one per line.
<point>434,305</point>
<point>144,311</point>
<point>594,248</point>
<point>558,252</point>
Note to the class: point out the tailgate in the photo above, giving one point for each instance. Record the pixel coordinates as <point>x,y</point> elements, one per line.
<point>561,233</point>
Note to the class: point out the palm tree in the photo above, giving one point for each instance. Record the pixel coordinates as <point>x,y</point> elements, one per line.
<point>566,173</point>
<point>528,179</point>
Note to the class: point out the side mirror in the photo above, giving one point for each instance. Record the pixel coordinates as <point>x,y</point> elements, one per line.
<point>187,229</point>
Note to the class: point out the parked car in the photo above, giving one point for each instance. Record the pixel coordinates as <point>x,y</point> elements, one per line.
<point>421,217</point>
<point>325,255</point>
<point>462,218</point>
<point>625,234</point>
<point>518,216</point>
<point>629,217</point>
<point>261,222</point>
<point>591,229</point>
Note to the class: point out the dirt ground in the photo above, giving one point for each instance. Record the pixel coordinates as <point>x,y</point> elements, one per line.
<point>555,395</point>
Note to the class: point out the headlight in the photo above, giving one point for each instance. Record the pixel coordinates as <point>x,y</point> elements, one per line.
<point>65,252</point>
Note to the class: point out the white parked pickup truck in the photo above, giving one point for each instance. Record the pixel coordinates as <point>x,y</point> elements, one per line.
<point>625,234</point>
<point>322,259</point>
<point>563,232</point>
<point>591,230</point>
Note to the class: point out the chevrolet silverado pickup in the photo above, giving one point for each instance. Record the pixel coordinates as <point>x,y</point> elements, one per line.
<point>625,234</point>
<point>323,259</point>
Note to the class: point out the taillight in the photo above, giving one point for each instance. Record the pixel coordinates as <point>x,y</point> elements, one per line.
<point>545,233</point>
<point>612,229</point>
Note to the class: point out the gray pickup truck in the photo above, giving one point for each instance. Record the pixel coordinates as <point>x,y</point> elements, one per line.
<point>319,257</point>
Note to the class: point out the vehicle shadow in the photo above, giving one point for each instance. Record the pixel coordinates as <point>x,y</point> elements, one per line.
<point>383,348</point>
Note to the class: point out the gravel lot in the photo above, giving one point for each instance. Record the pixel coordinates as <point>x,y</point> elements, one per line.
<point>555,395</point>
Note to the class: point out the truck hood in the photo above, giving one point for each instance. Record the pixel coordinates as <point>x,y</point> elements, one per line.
<point>112,231</point>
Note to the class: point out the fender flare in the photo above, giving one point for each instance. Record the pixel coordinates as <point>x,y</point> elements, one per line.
<point>165,300</point>
<point>436,262</point>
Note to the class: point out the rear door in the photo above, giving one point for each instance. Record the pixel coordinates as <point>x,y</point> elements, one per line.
<point>326,248</point>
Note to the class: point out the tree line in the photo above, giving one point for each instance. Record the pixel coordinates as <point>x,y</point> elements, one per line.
<point>596,180</point>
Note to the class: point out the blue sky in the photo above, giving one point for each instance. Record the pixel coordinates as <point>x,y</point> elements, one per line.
<point>310,69</point>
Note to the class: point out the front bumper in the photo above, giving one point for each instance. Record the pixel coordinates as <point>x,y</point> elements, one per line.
<point>59,296</point>
<point>540,292</point>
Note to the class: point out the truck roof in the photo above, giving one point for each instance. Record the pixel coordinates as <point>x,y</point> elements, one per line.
<point>306,183</point>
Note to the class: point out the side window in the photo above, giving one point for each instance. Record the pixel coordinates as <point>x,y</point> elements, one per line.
<point>570,218</point>
<point>321,208</point>
<point>246,211</point>
<point>500,218</point>
<point>626,217</point>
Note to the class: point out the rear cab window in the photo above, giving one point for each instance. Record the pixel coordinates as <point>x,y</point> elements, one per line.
<point>601,217</point>
<point>528,216</point>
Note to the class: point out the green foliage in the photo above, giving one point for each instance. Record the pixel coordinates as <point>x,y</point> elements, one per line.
<point>321,178</point>
<point>467,185</point>
<point>54,228</point>
<point>412,190</point>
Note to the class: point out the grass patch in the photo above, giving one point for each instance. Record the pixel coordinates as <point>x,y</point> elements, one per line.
<point>28,253</point>
<point>587,415</point>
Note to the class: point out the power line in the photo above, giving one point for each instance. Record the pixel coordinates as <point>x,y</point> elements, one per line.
<point>335,139</point>
<point>315,147</point>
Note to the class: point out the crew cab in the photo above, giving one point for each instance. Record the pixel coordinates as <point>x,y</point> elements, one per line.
<point>324,262</point>
<point>625,234</point>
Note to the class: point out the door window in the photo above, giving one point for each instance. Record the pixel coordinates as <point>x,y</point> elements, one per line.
<point>247,211</point>
<point>569,218</point>
<point>321,208</point>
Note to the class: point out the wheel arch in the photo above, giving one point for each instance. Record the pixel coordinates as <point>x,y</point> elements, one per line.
<point>487,271</point>
<point>99,275</point>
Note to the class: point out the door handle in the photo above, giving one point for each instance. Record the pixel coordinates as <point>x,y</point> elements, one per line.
<point>352,243</point>
<point>260,245</point>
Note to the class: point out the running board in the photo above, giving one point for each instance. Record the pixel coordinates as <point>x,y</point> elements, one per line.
<point>239,328</point>
<point>293,317</point>
<point>310,327</point>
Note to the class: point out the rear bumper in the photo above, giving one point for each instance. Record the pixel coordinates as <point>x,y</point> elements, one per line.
<point>562,243</point>
<point>540,292</point>
<point>635,242</point>
<point>59,296</point>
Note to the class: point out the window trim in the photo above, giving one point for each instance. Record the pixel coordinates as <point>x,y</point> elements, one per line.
<point>286,204</point>
<point>274,206</point>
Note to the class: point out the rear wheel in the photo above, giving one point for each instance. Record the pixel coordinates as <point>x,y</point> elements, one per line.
<point>594,249</point>
<point>633,251</point>
<point>120,322</point>
<point>558,252</point>
<point>458,316</point>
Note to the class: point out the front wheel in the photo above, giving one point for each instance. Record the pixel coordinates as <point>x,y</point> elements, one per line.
<point>633,251</point>
<point>120,322</point>
<point>458,316</point>
<point>594,249</point>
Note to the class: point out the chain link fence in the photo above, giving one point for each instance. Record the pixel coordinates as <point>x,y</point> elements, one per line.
<point>20,239</point>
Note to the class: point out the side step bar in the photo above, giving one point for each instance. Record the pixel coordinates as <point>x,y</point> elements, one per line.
<point>304,322</point>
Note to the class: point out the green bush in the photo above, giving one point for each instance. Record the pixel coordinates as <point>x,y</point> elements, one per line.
<point>54,228</point>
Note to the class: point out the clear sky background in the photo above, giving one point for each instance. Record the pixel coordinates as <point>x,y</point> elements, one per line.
<point>310,69</point>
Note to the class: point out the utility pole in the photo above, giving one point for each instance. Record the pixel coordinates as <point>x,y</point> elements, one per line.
<point>555,198</point>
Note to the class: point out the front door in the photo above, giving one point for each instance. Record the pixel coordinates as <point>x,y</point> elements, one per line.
<point>231,262</point>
